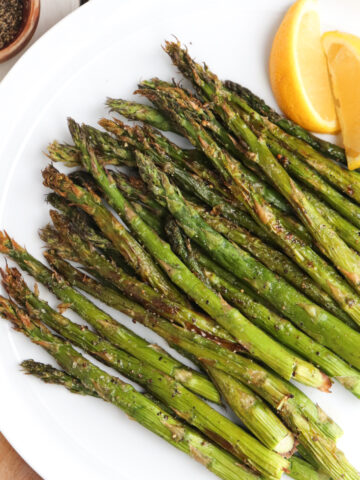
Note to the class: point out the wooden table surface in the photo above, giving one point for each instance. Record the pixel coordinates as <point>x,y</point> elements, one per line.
<point>13,467</point>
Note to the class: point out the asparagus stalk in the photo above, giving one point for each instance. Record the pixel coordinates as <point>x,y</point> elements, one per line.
<point>347,181</point>
<point>280,328</point>
<point>326,148</point>
<point>256,415</point>
<point>226,284</point>
<point>119,335</point>
<point>114,230</point>
<point>345,229</point>
<point>184,403</point>
<point>52,375</point>
<point>192,184</point>
<point>212,353</point>
<point>70,155</point>
<point>275,389</point>
<point>331,245</point>
<point>293,163</point>
<point>136,190</point>
<point>181,246</point>
<point>299,468</point>
<point>312,319</point>
<point>229,318</point>
<point>302,470</point>
<point>140,291</point>
<point>342,179</point>
<point>265,215</point>
<point>274,261</point>
<point>125,397</point>
<point>141,113</point>
<point>89,231</point>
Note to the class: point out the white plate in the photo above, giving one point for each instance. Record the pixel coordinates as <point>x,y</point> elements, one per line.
<point>104,49</point>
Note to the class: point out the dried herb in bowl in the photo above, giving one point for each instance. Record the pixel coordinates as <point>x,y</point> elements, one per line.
<point>11,18</point>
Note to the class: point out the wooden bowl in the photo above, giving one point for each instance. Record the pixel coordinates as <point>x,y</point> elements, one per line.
<point>29,24</point>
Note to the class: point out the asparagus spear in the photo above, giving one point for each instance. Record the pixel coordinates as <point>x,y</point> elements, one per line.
<point>136,190</point>
<point>340,177</point>
<point>70,155</point>
<point>265,215</point>
<point>302,470</point>
<point>285,406</point>
<point>280,328</point>
<point>345,229</point>
<point>326,148</point>
<point>52,375</point>
<point>274,261</point>
<point>107,326</point>
<point>89,231</point>
<point>140,291</point>
<point>125,397</point>
<point>229,318</point>
<point>115,231</point>
<point>184,403</point>
<point>191,183</point>
<point>212,353</point>
<point>331,245</point>
<point>141,113</point>
<point>257,416</point>
<point>312,319</point>
<point>345,180</point>
<point>299,468</point>
<point>293,162</point>
<point>226,284</point>
<point>91,258</point>
<point>181,246</point>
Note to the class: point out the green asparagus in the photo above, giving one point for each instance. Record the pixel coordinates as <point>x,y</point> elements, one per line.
<point>184,403</point>
<point>327,148</point>
<point>125,397</point>
<point>108,327</point>
<point>330,244</point>
<point>229,318</point>
<point>312,319</point>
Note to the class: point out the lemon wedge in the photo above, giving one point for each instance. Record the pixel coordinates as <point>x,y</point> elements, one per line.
<point>298,70</point>
<point>343,54</point>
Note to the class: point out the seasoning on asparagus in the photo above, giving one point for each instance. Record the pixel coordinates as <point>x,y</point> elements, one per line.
<point>125,397</point>
<point>184,403</point>
<point>312,319</point>
<point>229,318</point>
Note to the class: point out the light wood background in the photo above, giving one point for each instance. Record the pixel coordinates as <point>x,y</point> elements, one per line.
<point>13,467</point>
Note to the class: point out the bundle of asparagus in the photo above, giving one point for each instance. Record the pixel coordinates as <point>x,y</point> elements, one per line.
<point>242,253</point>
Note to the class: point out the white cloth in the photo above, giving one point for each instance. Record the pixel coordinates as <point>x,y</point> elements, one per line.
<point>51,12</point>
